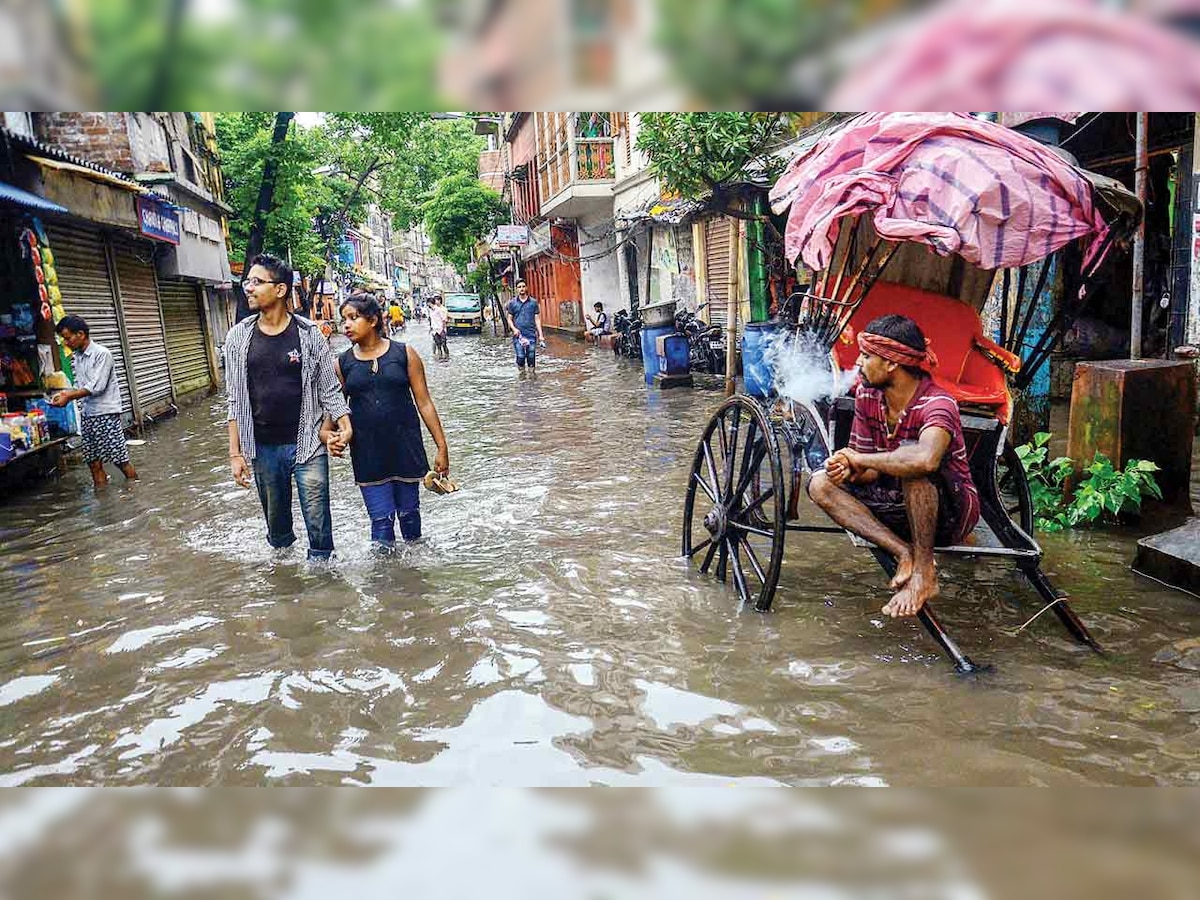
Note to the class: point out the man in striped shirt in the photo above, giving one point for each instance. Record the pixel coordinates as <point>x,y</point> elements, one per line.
<point>904,482</point>
<point>281,384</point>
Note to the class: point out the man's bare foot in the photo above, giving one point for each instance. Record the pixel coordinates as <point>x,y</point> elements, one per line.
<point>921,588</point>
<point>904,569</point>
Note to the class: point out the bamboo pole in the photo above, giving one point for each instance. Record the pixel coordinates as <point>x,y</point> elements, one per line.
<point>735,298</point>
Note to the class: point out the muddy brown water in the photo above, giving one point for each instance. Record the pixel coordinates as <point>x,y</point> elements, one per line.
<point>545,632</point>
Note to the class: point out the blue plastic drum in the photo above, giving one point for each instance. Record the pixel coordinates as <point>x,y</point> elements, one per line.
<point>757,373</point>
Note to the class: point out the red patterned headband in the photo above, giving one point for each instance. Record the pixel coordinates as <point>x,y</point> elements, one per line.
<point>894,351</point>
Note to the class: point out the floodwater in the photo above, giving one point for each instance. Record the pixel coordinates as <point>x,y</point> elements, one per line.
<point>545,631</point>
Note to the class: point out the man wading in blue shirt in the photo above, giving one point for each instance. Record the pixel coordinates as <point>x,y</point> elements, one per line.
<point>281,382</point>
<point>99,393</point>
<point>525,320</point>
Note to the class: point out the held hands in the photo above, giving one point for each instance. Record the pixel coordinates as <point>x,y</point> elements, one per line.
<point>336,442</point>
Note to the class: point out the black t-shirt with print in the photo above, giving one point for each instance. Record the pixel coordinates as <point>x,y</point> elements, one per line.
<point>274,375</point>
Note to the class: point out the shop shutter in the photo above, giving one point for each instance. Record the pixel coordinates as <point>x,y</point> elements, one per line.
<point>716,266</point>
<point>187,352</point>
<point>87,291</point>
<point>143,322</point>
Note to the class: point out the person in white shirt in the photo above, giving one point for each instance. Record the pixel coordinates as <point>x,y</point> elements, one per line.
<point>437,327</point>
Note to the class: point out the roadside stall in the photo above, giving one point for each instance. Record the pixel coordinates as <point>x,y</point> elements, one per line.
<point>32,432</point>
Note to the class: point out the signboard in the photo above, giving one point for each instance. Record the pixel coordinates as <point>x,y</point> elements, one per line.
<point>511,236</point>
<point>157,219</point>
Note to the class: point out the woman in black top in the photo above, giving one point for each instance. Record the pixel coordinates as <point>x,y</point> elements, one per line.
<point>385,383</point>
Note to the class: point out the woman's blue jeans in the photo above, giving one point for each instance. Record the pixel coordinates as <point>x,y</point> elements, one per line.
<point>274,469</point>
<point>389,501</point>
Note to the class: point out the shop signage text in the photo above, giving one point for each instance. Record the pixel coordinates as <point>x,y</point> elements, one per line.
<point>157,220</point>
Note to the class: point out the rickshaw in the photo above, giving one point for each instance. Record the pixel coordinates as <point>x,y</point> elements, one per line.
<point>930,216</point>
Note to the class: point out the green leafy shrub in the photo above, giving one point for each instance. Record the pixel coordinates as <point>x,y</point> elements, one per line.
<point>1103,496</point>
<point>1047,479</point>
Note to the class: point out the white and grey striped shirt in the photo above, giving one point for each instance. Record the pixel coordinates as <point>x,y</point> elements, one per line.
<point>322,392</point>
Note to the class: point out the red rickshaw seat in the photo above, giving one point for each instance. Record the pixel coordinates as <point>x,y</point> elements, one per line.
<point>971,367</point>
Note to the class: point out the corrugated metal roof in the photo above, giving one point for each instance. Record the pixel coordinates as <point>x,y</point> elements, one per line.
<point>29,201</point>
<point>49,150</point>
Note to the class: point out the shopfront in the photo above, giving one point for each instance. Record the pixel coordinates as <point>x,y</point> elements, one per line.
<point>31,431</point>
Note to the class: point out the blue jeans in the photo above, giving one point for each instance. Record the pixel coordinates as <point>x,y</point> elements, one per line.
<point>526,352</point>
<point>393,500</point>
<point>274,468</point>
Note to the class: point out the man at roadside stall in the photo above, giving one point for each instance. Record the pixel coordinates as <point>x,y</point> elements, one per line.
<point>903,482</point>
<point>281,384</point>
<point>99,391</point>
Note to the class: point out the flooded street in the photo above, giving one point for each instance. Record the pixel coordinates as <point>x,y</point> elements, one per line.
<point>545,631</point>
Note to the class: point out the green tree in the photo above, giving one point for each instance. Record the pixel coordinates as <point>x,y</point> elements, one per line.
<point>436,149</point>
<point>698,154</point>
<point>461,211</point>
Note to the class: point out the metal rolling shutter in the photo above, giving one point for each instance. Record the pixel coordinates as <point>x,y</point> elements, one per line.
<point>143,323</point>
<point>83,278</point>
<point>716,267</point>
<point>187,353</point>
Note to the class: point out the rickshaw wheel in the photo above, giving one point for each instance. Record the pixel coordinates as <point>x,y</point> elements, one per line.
<point>733,511</point>
<point>1013,486</point>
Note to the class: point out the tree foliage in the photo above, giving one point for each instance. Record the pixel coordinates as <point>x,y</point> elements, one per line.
<point>309,208</point>
<point>327,174</point>
<point>697,154</point>
<point>461,211</point>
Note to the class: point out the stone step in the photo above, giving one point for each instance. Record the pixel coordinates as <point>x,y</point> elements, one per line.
<point>1172,557</point>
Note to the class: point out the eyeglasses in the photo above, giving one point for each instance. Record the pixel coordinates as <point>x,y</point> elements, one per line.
<point>255,282</point>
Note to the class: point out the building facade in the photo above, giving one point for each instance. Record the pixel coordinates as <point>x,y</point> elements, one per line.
<point>137,233</point>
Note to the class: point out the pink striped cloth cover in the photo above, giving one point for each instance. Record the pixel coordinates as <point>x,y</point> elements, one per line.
<point>961,185</point>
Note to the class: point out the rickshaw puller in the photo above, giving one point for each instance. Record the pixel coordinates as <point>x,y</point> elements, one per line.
<point>903,482</point>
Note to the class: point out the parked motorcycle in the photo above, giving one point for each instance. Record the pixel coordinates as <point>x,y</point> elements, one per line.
<point>628,329</point>
<point>706,343</point>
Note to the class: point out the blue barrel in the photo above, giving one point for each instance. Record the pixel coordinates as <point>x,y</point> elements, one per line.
<point>757,373</point>
<point>650,338</point>
<point>673,354</point>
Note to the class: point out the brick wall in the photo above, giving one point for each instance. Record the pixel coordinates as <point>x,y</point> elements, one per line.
<point>99,137</point>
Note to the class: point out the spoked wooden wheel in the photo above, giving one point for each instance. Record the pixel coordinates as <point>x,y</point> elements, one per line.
<point>733,513</point>
<point>1013,487</point>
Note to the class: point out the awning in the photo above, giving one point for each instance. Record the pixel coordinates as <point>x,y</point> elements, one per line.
<point>91,174</point>
<point>29,201</point>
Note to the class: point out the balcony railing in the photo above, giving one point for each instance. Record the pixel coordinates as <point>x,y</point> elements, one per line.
<point>595,159</point>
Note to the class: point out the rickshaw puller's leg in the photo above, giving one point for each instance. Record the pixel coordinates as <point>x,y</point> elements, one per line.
<point>921,585</point>
<point>963,664</point>
<point>852,514</point>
